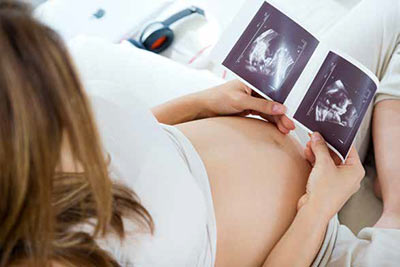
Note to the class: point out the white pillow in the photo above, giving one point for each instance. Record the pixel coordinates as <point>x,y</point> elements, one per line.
<point>194,35</point>
<point>121,17</point>
<point>153,79</point>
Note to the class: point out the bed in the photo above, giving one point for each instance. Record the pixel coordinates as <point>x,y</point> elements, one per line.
<point>186,66</point>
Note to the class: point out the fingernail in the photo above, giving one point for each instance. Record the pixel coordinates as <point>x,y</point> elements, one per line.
<point>277,108</point>
<point>315,137</point>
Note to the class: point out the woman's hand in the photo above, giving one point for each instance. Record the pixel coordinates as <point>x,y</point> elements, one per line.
<point>330,183</point>
<point>235,98</point>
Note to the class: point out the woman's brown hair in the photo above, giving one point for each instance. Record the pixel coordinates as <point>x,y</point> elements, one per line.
<point>42,104</point>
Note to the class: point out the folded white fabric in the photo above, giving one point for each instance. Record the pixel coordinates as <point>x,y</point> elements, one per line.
<point>111,20</point>
<point>369,248</point>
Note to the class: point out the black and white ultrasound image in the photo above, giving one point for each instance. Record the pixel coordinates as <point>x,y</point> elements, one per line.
<point>271,53</point>
<point>335,105</point>
<point>336,102</point>
<point>268,56</point>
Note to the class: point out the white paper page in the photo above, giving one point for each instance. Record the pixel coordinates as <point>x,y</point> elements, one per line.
<point>300,89</point>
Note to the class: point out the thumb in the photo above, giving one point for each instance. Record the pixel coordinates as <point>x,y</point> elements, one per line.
<point>320,149</point>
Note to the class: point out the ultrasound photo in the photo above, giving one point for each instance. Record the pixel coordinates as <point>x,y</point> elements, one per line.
<point>335,106</point>
<point>271,53</point>
<point>269,59</point>
<point>336,102</point>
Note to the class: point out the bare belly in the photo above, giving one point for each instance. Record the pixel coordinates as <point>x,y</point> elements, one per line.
<point>257,176</point>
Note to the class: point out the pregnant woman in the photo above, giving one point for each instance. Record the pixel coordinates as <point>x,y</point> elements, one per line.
<point>213,190</point>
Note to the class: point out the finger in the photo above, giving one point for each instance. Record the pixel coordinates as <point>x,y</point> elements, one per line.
<point>284,120</point>
<point>308,144</point>
<point>282,128</point>
<point>320,149</point>
<point>275,120</point>
<point>279,122</point>
<point>288,123</point>
<point>309,155</point>
<point>353,158</point>
<point>263,106</point>
<point>354,166</point>
<point>269,118</point>
<point>333,155</point>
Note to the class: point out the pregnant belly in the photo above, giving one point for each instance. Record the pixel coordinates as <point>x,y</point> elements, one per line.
<point>257,176</point>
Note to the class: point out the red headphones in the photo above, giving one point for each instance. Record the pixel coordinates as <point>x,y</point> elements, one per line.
<point>158,36</point>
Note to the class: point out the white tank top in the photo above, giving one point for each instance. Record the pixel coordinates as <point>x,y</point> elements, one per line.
<point>145,158</point>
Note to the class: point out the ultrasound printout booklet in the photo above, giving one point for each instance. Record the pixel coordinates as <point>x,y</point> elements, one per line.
<point>323,89</point>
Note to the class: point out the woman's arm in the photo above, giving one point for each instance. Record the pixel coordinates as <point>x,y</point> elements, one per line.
<point>328,188</point>
<point>186,108</point>
<point>302,241</point>
<point>231,98</point>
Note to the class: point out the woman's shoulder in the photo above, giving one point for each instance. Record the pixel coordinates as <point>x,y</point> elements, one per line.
<point>121,118</point>
<point>108,96</point>
<point>144,157</point>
